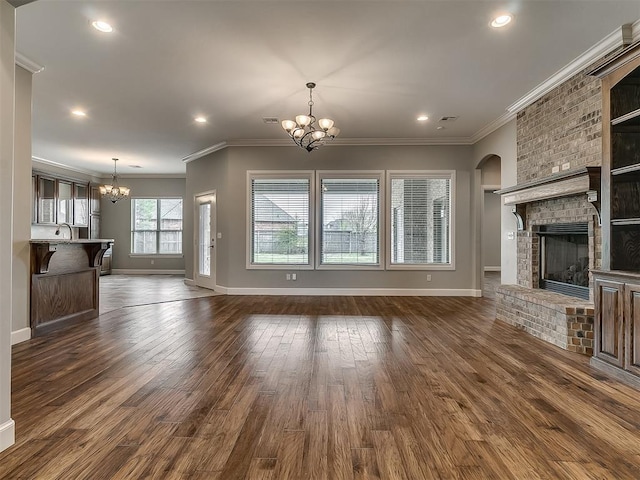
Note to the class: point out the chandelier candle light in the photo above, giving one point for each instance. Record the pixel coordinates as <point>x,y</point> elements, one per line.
<point>114,192</point>
<point>304,131</point>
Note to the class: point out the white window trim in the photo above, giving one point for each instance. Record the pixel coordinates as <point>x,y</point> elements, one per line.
<point>278,175</point>
<point>446,174</point>
<point>377,174</point>
<point>132,230</point>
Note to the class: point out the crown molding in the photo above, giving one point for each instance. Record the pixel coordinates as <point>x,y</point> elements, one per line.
<point>616,39</point>
<point>44,161</point>
<point>28,64</point>
<point>205,151</point>
<point>493,126</point>
<point>133,176</point>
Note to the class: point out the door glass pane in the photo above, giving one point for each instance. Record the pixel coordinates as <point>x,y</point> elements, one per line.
<point>81,205</point>
<point>204,266</point>
<point>46,200</point>
<point>65,199</point>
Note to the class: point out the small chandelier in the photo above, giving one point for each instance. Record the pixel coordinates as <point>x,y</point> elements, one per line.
<point>114,192</point>
<point>304,132</point>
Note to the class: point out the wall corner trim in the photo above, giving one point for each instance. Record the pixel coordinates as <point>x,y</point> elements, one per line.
<point>190,282</point>
<point>28,64</point>
<point>19,336</point>
<point>7,434</point>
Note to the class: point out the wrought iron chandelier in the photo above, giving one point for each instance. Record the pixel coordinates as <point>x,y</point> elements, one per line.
<point>115,191</point>
<point>304,131</point>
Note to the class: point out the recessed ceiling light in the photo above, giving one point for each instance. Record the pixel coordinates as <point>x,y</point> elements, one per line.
<point>135,166</point>
<point>102,26</point>
<point>439,127</point>
<point>201,119</point>
<point>422,118</point>
<point>501,20</point>
<point>79,113</point>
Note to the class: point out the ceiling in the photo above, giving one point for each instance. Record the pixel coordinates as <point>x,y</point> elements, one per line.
<point>377,64</point>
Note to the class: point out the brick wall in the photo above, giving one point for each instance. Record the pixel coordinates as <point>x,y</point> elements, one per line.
<point>563,126</point>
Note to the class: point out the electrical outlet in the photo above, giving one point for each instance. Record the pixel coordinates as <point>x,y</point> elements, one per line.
<point>566,166</point>
<point>153,262</point>
<point>288,276</point>
<point>294,276</point>
<point>555,169</point>
<point>428,278</point>
<point>511,235</point>
<point>219,235</point>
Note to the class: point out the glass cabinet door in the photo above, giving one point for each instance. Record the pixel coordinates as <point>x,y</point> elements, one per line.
<point>80,204</point>
<point>46,200</point>
<point>65,202</point>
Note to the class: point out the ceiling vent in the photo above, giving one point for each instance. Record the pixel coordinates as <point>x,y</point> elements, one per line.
<point>447,119</point>
<point>270,120</point>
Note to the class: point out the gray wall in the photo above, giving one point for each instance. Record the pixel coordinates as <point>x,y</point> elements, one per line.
<point>116,223</point>
<point>7,96</point>
<point>502,143</point>
<point>491,230</point>
<point>225,172</point>
<point>22,209</point>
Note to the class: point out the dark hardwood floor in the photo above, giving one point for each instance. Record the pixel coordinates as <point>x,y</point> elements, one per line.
<point>228,387</point>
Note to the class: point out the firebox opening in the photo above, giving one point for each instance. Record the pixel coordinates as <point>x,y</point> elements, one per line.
<point>564,259</point>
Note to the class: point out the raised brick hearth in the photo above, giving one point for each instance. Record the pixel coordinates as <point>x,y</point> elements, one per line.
<point>558,319</point>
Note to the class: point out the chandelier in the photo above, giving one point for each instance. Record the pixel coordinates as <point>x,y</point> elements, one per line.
<point>304,131</point>
<point>114,192</point>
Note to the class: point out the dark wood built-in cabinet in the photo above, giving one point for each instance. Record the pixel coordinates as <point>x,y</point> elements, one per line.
<point>617,285</point>
<point>59,200</point>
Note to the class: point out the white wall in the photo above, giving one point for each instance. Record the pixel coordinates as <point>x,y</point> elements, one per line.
<point>503,143</point>
<point>7,75</point>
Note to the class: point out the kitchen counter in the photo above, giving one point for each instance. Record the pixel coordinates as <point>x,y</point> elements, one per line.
<point>65,281</point>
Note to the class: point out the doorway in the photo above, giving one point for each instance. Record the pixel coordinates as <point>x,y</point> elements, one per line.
<point>205,236</point>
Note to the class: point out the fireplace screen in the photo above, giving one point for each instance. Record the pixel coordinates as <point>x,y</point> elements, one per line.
<point>564,259</point>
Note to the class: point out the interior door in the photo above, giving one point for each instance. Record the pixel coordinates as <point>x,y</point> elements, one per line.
<point>205,257</point>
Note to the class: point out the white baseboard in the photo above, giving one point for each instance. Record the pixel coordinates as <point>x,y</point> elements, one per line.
<point>369,292</point>
<point>21,335</point>
<point>132,271</point>
<point>7,434</point>
<point>492,269</point>
<point>190,282</point>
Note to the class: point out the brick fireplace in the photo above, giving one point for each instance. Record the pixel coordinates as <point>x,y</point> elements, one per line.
<point>559,157</point>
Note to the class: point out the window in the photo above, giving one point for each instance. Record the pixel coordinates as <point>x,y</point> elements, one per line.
<point>350,219</point>
<point>156,226</point>
<point>420,219</point>
<point>279,218</point>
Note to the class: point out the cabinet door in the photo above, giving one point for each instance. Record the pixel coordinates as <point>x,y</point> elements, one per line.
<point>94,226</point>
<point>80,204</point>
<point>632,328</point>
<point>65,202</point>
<point>46,200</point>
<point>95,200</point>
<point>609,321</point>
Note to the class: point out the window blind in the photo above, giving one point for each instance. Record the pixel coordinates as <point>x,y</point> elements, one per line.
<point>280,221</point>
<point>350,221</point>
<point>420,220</point>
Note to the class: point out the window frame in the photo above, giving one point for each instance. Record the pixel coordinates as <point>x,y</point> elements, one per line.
<point>280,175</point>
<point>157,230</point>
<point>422,174</point>
<point>346,174</point>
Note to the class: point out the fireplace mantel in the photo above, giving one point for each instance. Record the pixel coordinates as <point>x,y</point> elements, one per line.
<point>583,180</point>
